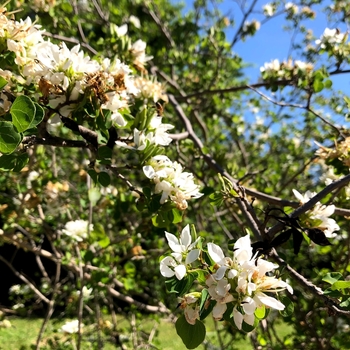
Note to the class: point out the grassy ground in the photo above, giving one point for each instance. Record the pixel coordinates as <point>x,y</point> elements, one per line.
<point>23,334</point>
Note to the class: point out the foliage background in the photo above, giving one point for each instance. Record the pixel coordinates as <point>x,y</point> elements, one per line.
<point>261,133</point>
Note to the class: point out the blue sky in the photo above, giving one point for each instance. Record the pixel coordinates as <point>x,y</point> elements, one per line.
<point>271,41</point>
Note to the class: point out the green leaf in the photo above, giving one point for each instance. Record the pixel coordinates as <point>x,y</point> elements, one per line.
<point>93,175</point>
<point>345,303</point>
<point>24,113</point>
<point>177,216</point>
<point>104,152</point>
<point>341,285</point>
<point>9,137</point>
<point>289,306</point>
<point>333,277</point>
<point>21,162</point>
<point>191,335</point>
<point>328,84</point>
<point>249,328</point>
<point>260,312</point>
<point>7,162</point>
<point>105,242</point>
<point>3,83</point>
<point>104,179</point>
<point>39,116</point>
<point>94,195</point>
<point>216,199</point>
<point>161,220</point>
<point>181,287</point>
<point>318,85</point>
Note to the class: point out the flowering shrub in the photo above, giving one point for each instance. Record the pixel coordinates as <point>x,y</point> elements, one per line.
<point>233,288</point>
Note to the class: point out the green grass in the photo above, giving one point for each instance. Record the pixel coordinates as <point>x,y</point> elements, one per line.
<point>24,331</point>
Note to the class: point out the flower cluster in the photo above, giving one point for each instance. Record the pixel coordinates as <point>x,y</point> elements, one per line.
<point>171,181</point>
<point>242,283</point>
<point>275,70</point>
<point>77,230</point>
<point>269,9</point>
<point>69,81</point>
<point>331,37</point>
<point>318,216</point>
<point>340,151</point>
<point>329,176</point>
<point>64,76</point>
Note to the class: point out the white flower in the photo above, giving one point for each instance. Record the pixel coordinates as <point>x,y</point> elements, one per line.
<point>219,291</point>
<point>269,10</point>
<point>319,215</point>
<point>71,327</point>
<point>15,289</point>
<point>77,230</point>
<point>331,37</point>
<point>86,292</point>
<point>171,181</point>
<point>122,30</point>
<point>191,308</point>
<point>292,8</point>
<point>273,66</point>
<point>135,21</point>
<point>182,248</point>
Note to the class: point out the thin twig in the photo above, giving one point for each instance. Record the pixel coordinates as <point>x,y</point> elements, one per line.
<point>26,281</point>
<point>330,303</point>
<point>311,203</point>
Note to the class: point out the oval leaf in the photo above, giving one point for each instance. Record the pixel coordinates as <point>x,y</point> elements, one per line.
<point>23,113</point>
<point>9,137</point>
<point>104,179</point>
<point>191,335</point>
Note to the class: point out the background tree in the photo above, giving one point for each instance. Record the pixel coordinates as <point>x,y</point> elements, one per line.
<point>81,139</point>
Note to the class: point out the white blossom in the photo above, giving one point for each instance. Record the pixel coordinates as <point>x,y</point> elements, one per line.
<point>319,214</point>
<point>171,181</point>
<point>71,327</point>
<point>77,230</point>
<point>182,249</point>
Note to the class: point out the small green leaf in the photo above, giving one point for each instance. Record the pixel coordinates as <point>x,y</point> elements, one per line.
<point>345,303</point>
<point>7,162</point>
<point>105,242</point>
<point>9,137</point>
<point>104,152</point>
<point>39,116</point>
<point>104,179</point>
<point>3,83</point>
<point>191,335</point>
<point>289,306</point>
<point>249,328</point>
<point>328,84</point>
<point>260,312</point>
<point>94,195</point>
<point>318,85</point>
<point>161,220</point>
<point>23,112</point>
<point>93,175</point>
<point>333,277</point>
<point>177,216</point>
<point>21,162</point>
<point>340,285</point>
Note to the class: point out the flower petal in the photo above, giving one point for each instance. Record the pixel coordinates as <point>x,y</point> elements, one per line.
<point>173,242</point>
<point>185,238</point>
<point>192,256</point>
<point>269,301</point>
<point>219,310</point>
<point>215,252</point>
<point>238,318</point>
<point>180,271</point>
